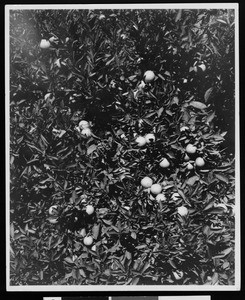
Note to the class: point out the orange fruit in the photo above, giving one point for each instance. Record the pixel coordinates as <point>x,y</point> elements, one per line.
<point>164,163</point>
<point>89,209</point>
<point>160,197</point>
<point>141,141</point>
<point>146,182</point>
<point>200,162</point>
<point>182,211</point>
<point>88,240</point>
<point>156,189</point>
<point>189,166</point>
<point>150,137</point>
<point>44,44</point>
<point>149,76</point>
<point>191,149</point>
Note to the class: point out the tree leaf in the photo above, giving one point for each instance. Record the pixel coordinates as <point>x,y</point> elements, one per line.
<point>222,178</point>
<point>207,94</point>
<point>190,181</point>
<point>224,253</point>
<point>160,111</point>
<point>178,16</point>
<point>91,149</point>
<point>210,117</point>
<point>161,77</point>
<point>197,104</point>
<point>82,273</point>
<point>69,260</point>
<point>215,210</point>
<point>96,230</point>
<point>135,280</point>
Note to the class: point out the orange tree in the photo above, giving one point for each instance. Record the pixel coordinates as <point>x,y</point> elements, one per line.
<point>91,67</point>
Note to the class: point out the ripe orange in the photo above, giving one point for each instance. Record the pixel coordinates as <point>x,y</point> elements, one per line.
<point>189,166</point>
<point>141,141</point>
<point>164,163</point>
<point>200,162</point>
<point>149,76</point>
<point>44,44</point>
<point>146,182</point>
<point>89,209</point>
<point>88,240</point>
<point>191,149</point>
<point>182,210</point>
<point>150,137</point>
<point>160,197</point>
<point>156,189</point>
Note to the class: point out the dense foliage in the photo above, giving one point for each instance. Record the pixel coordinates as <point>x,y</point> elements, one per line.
<point>93,71</point>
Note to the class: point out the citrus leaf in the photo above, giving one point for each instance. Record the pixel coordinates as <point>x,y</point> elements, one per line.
<point>215,210</point>
<point>96,230</point>
<point>223,253</point>
<point>128,255</point>
<point>91,149</point>
<point>178,16</point>
<point>135,280</point>
<point>161,77</point>
<point>146,266</point>
<point>221,21</point>
<point>69,260</point>
<point>210,118</point>
<point>197,104</point>
<point>207,94</point>
<point>160,111</point>
<point>82,273</point>
<point>190,181</point>
<point>222,178</point>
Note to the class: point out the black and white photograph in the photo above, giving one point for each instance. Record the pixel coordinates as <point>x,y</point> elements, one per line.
<point>122,147</point>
